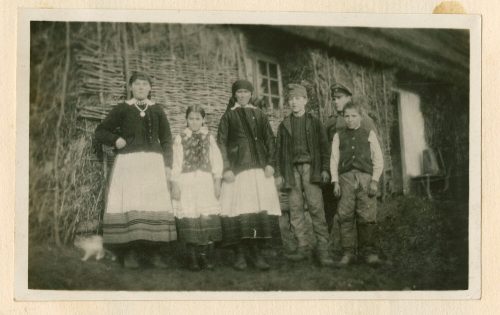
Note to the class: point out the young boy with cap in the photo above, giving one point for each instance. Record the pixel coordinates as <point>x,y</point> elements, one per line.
<point>302,164</point>
<point>341,96</point>
<point>356,165</point>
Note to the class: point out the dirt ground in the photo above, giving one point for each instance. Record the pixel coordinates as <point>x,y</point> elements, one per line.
<point>424,244</point>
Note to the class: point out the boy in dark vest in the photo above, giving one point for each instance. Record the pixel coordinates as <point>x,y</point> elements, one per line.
<point>302,166</point>
<point>342,94</point>
<point>356,165</point>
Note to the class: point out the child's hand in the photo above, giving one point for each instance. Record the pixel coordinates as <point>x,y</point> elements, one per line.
<point>325,177</point>
<point>168,173</point>
<point>336,189</point>
<point>278,181</point>
<point>269,171</point>
<point>176,191</point>
<point>217,188</point>
<point>120,143</point>
<point>372,190</point>
<point>228,176</point>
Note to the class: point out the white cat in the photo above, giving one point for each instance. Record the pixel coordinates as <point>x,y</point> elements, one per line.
<point>92,246</point>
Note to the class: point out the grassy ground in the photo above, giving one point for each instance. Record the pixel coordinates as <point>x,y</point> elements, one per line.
<point>425,245</point>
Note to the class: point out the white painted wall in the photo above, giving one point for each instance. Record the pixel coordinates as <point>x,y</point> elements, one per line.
<point>411,124</point>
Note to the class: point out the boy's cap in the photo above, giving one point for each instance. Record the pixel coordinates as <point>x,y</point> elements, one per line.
<point>296,90</point>
<point>340,88</point>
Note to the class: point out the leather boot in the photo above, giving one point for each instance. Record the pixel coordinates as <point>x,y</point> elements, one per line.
<point>192,259</point>
<point>368,240</point>
<point>157,261</point>
<point>347,259</point>
<point>257,258</point>
<point>207,256</point>
<point>302,253</point>
<point>240,262</point>
<point>130,260</point>
<point>324,258</point>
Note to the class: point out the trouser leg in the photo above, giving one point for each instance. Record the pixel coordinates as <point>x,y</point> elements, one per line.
<point>366,211</point>
<point>346,210</point>
<point>297,218</point>
<point>287,236</point>
<point>314,198</point>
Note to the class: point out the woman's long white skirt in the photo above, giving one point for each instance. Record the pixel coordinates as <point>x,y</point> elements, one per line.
<point>251,192</point>
<point>138,206</point>
<point>246,206</point>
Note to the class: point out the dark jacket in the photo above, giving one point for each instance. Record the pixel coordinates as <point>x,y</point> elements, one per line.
<point>245,139</point>
<point>318,145</point>
<point>149,134</point>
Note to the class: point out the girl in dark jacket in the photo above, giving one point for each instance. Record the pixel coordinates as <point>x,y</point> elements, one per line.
<point>138,211</point>
<point>248,194</point>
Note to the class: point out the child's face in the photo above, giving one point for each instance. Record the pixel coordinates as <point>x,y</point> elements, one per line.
<point>243,96</point>
<point>340,100</point>
<point>195,121</point>
<point>352,118</point>
<point>297,103</point>
<point>140,89</point>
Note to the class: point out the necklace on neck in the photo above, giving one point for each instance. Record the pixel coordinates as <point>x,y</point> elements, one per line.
<point>142,112</point>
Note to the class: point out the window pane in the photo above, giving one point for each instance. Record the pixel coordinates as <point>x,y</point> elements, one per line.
<point>262,68</point>
<point>263,86</point>
<point>265,101</point>
<point>274,88</point>
<point>276,102</point>
<point>273,70</point>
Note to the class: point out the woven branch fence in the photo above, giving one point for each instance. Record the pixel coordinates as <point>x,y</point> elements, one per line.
<point>89,64</point>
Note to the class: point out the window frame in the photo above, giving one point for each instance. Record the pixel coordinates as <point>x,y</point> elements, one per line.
<point>257,77</point>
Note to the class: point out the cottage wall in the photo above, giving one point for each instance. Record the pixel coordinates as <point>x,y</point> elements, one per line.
<point>190,64</point>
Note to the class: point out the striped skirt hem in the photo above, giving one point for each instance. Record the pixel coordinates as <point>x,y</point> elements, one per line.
<point>200,231</point>
<point>120,228</point>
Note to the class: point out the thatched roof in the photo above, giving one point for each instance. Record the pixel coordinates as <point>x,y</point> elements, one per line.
<point>438,54</point>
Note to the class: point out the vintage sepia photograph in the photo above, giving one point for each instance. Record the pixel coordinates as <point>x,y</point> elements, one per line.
<point>250,157</point>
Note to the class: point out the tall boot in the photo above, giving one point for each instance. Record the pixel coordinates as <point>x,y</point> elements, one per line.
<point>368,243</point>
<point>130,259</point>
<point>257,258</point>
<point>348,243</point>
<point>192,259</point>
<point>240,262</point>
<point>207,256</point>
<point>302,253</point>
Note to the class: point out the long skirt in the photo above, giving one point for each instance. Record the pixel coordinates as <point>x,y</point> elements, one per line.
<point>197,212</point>
<point>247,204</point>
<point>138,206</point>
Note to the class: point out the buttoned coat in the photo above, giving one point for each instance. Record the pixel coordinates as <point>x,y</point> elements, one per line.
<point>317,143</point>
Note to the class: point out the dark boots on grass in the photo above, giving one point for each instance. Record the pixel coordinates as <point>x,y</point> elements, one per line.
<point>132,259</point>
<point>367,245</point>
<point>305,254</point>
<point>255,257</point>
<point>200,257</point>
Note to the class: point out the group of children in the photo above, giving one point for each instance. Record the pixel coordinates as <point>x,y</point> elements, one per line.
<point>204,190</point>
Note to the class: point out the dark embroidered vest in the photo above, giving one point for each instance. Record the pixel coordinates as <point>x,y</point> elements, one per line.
<point>355,151</point>
<point>196,152</point>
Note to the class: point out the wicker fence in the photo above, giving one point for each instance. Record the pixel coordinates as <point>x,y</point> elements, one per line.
<point>177,83</point>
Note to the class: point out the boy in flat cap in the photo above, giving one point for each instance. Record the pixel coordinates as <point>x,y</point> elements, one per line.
<point>302,165</point>
<point>341,96</point>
